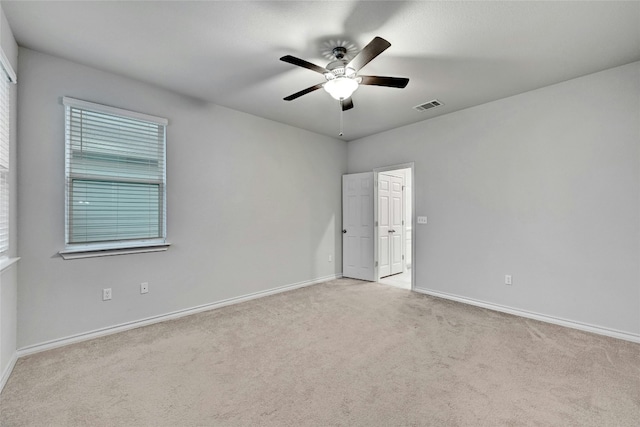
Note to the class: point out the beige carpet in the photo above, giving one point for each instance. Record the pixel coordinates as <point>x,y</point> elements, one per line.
<point>339,353</point>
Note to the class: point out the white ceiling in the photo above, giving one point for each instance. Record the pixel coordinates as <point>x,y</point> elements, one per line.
<point>227,52</point>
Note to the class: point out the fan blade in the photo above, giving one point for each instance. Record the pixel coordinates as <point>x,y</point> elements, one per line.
<point>370,51</point>
<point>399,82</point>
<point>347,104</point>
<point>303,92</point>
<point>302,63</point>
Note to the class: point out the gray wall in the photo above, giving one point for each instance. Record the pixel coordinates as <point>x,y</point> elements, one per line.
<point>252,205</point>
<point>9,277</point>
<point>544,186</point>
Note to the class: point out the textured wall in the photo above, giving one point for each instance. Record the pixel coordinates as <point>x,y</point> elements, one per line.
<point>252,205</point>
<point>544,186</point>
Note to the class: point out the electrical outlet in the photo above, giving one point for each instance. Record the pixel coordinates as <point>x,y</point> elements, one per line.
<point>144,287</point>
<point>330,257</point>
<point>106,294</point>
<point>507,279</point>
<point>422,220</point>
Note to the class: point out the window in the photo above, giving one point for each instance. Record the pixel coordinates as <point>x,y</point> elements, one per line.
<point>6,77</point>
<point>115,179</point>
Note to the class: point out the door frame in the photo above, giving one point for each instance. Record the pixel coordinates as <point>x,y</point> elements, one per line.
<point>376,171</point>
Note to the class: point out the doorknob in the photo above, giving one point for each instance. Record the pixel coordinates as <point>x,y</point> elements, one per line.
<point>344,231</point>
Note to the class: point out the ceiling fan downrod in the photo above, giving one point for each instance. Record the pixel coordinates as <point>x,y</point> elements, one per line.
<point>339,52</point>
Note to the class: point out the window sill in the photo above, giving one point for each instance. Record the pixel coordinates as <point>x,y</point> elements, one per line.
<point>98,252</point>
<point>7,262</point>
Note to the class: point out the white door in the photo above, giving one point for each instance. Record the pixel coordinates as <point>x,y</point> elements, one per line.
<point>384,224</point>
<point>390,224</point>
<point>397,224</point>
<point>357,226</point>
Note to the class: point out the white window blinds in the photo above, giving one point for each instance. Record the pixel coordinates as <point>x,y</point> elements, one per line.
<point>115,171</point>
<point>4,162</point>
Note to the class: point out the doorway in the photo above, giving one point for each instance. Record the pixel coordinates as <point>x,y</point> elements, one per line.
<point>394,225</point>
<point>362,232</point>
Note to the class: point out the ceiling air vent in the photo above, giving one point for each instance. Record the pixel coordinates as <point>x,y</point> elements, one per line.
<point>428,105</point>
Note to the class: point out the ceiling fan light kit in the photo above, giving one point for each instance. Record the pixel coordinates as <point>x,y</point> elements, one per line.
<point>341,87</point>
<point>342,78</point>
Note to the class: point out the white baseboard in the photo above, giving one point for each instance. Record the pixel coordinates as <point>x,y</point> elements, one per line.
<point>7,371</point>
<point>48,345</point>
<point>536,316</point>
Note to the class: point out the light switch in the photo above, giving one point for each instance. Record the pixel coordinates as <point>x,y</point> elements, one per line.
<point>422,220</point>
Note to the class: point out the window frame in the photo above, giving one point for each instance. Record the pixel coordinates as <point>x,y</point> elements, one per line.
<point>112,247</point>
<point>8,75</point>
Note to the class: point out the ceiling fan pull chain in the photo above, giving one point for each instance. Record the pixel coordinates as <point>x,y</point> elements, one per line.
<point>341,120</point>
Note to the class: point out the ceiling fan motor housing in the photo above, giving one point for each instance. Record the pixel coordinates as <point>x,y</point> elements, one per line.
<point>338,68</point>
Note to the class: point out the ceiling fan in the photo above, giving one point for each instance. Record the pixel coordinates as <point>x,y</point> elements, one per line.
<point>342,75</point>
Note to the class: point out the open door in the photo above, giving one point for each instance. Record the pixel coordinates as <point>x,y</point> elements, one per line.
<point>357,226</point>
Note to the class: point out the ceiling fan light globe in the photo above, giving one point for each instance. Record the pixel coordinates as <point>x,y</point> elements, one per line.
<point>341,87</point>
